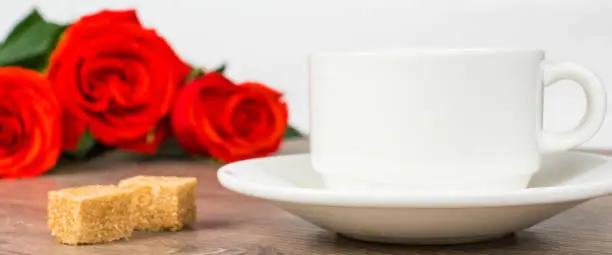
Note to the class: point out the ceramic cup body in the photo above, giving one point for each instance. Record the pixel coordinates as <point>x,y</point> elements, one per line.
<point>438,119</point>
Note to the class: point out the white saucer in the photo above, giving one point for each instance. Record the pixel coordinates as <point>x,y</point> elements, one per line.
<point>565,180</point>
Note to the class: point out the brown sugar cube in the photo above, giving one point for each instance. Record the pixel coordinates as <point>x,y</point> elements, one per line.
<point>89,214</point>
<point>162,202</point>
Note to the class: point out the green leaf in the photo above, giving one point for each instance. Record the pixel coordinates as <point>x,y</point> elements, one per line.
<point>291,133</point>
<point>31,42</point>
<point>32,18</point>
<point>194,74</point>
<point>86,143</point>
<point>221,68</point>
<point>197,72</point>
<point>209,160</point>
<point>98,149</point>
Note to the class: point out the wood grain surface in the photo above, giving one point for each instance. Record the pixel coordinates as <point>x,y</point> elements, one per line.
<point>229,223</point>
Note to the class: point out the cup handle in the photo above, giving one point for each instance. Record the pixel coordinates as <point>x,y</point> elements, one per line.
<point>595,110</point>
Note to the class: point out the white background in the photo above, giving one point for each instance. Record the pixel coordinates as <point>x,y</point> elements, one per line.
<point>268,40</point>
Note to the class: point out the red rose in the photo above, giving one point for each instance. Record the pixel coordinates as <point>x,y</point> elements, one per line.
<point>30,123</point>
<point>229,122</point>
<point>116,78</point>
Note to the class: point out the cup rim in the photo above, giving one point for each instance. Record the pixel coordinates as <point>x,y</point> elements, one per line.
<point>429,51</point>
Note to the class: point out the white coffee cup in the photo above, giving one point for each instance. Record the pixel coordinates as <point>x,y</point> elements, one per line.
<point>450,119</point>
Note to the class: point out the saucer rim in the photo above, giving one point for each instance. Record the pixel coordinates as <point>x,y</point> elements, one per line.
<point>324,197</point>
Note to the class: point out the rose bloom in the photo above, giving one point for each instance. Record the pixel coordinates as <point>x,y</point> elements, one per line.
<point>30,123</point>
<point>215,117</point>
<point>116,78</point>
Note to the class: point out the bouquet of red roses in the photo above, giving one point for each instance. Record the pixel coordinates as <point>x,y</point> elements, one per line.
<point>106,80</point>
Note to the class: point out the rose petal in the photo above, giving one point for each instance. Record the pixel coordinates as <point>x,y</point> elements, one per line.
<point>146,146</point>
<point>189,125</point>
<point>229,122</point>
<point>34,123</point>
<point>128,77</point>
<point>110,16</point>
<point>73,130</point>
<point>10,130</point>
<point>89,26</point>
<point>258,88</point>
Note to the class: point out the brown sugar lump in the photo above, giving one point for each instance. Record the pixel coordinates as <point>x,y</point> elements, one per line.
<point>162,202</point>
<point>89,214</point>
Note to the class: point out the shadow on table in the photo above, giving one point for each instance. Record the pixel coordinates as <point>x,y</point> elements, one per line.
<point>170,152</point>
<point>520,243</point>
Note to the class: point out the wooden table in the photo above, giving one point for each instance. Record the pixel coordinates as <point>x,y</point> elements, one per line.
<point>229,223</point>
